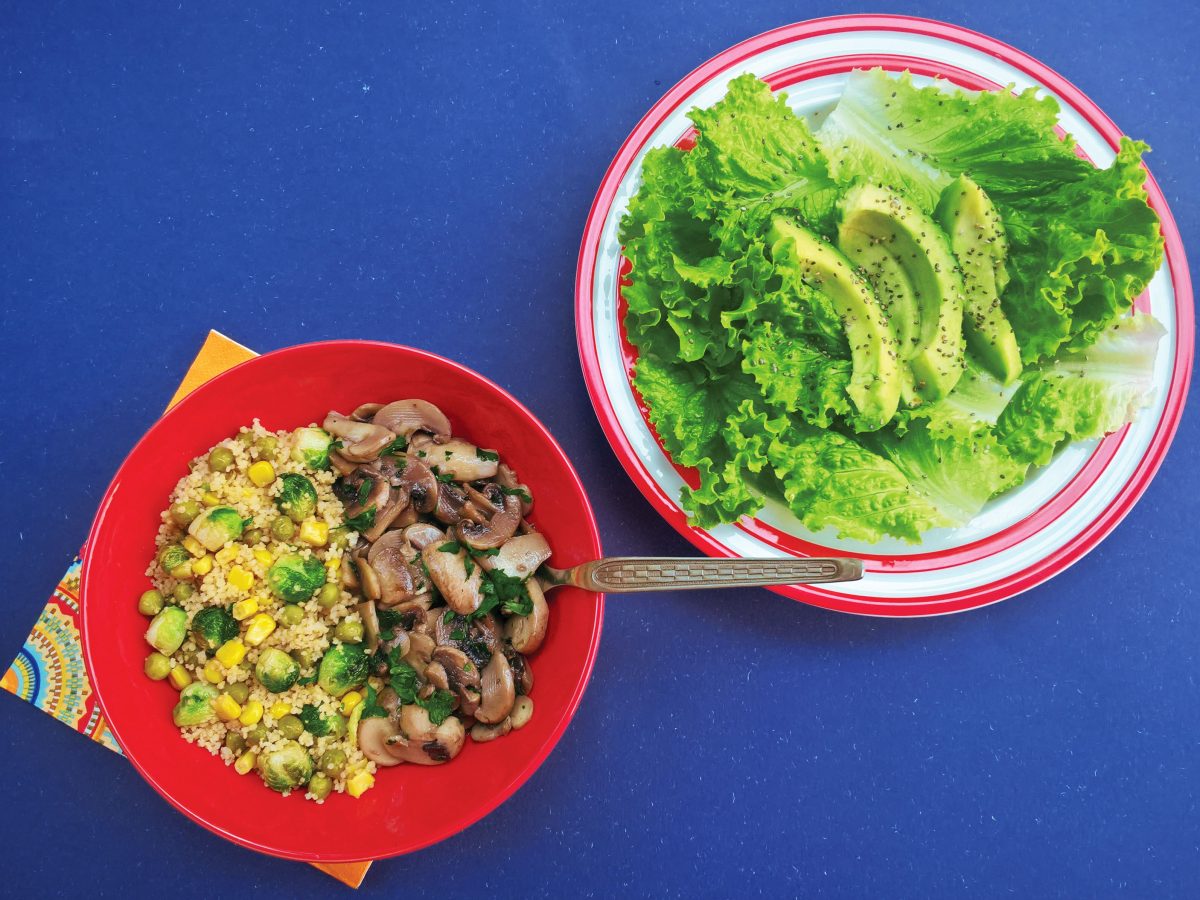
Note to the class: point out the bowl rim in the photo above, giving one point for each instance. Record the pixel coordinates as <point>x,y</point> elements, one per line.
<point>1175,262</point>
<point>455,824</point>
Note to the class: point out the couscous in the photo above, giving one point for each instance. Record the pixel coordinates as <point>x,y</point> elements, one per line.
<point>335,599</point>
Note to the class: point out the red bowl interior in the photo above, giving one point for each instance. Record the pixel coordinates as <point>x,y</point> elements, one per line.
<point>410,806</point>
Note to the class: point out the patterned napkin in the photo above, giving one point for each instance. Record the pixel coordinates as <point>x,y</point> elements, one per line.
<point>49,672</point>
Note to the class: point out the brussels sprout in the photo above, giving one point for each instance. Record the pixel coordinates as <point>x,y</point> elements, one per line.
<point>175,561</point>
<point>297,497</point>
<point>276,671</point>
<point>288,767</point>
<point>311,447</point>
<point>167,630</point>
<point>212,627</point>
<point>195,705</point>
<point>217,527</point>
<point>295,578</point>
<point>343,668</point>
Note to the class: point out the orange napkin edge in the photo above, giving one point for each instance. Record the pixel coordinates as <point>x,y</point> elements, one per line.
<point>217,354</point>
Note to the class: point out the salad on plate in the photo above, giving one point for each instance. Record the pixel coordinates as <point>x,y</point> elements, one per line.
<point>887,318</point>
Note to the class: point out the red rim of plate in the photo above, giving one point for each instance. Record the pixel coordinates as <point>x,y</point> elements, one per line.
<point>456,825</point>
<point>956,601</point>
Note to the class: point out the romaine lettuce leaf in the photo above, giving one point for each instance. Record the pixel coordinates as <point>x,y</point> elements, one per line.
<point>1085,394</point>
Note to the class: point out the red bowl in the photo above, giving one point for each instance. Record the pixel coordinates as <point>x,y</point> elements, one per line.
<point>410,806</point>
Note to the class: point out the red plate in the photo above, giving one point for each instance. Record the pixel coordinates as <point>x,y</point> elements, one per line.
<point>410,806</point>
<point>1019,540</point>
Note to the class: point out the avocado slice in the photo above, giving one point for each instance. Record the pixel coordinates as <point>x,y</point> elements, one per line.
<point>875,369</point>
<point>877,221</point>
<point>977,238</point>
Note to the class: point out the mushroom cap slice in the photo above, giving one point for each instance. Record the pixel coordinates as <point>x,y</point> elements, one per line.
<point>373,735</point>
<point>507,478</point>
<point>463,592</point>
<point>499,691</point>
<point>419,482</point>
<point>421,742</point>
<point>407,417</point>
<point>519,556</point>
<point>341,465</point>
<point>397,580</point>
<point>370,620</point>
<point>370,581</point>
<point>462,677</point>
<point>494,532</point>
<point>461,460</point>
<point>361,441</point>
<point>366,412</point>
<point>388,516</point>
<point>481,733</point>
<point>420,650</point>
<point>526,633</point>
<point>422,534</point>
<point>378,494</point>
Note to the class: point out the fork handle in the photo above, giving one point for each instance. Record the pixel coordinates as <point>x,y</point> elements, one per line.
<point>630,574</point>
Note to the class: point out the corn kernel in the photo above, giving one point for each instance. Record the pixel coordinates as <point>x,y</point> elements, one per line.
<point>333,564</point>
<point>244,609</point>
<point>193,546</point>
<point>226,708</point>
<point>359,783</point>
<point>264,557</point>
<point>245,762</point>
<point>202,566</point>
<point>259,629</point>
<point>251,712</point>
<point>179,678</point>
<point>227,554</point>
<point>261,473</point>
<point>231,653</point>
<point>240,578</point>
<point>279,709</point>
<point>350,701</point>
<point>314,533</point>
<point>208,498</point>
<point>213,672</point>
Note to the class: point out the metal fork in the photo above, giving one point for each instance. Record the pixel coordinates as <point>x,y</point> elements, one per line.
<point>631,574</point>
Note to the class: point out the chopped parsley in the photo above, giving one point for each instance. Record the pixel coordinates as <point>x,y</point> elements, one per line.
<point>363,521</point>
<point>396,447</point>
<point>364,490</point>
<point>448,616</point>
<point>389,618</point>
<point>517,492</point>
<point>487,454</point>
<point>371,708</point>
<point>503,590</point>
<point>404,680</point>
<point>439,705</point>
<point>450,547</point>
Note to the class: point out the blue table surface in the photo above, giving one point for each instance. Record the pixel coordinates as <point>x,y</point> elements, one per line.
<point>295,171</point>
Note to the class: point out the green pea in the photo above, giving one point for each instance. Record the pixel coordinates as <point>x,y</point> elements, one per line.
<point>235,742</point>
<point>220,459</point>
<point>267,445</point>
<point>283,528</point>
<point>183,591</point>
<point>304,658</point>
<point>239,691</point>
<point>183,512</point>
<point>332,761</point>
<point>150,603</point>
<point>320,785</point>
<point>157,666</point>
<point>290,727</point>
<point>247,438</point>
<point>291,615</point>
<point>252,536</point>
<point>329,595</point>
<point>349,632</point>
<point>256,735</point>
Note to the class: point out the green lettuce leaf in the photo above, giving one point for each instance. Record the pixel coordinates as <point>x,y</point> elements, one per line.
<point>1084,394</point>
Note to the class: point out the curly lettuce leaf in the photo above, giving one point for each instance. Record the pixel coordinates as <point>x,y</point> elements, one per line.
<point>1085,394</point>
<point>797,375</point>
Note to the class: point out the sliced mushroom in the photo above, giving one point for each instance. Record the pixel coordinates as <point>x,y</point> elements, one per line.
<point>462,677</point>
<point>507,478</point>
<point>421,742</point>
<point>377,495</point>
<point>461,460</point>
<point>498,691</point>
<point>453,505</point>
<point>370,620</point>
<point>421,485</point>
<point>519,556</point>
<point>373,737</point>
<point>342,465</point>
<point>526,633</point>
<point>486,629</point>
<point>435,674</point>
<point>370,581</point>
<point>397,580</point>
<point>422,534</point>
<point>361,441</point>
<point>414,617</point>
<point>522,671</point>
<point>420,651</point>
<point>498,529</point>
<point>366,412</point>
<point>349,576</point>
<point>481,733</point>
<point>407,417</point>
<point>390,516</point>
<point>463,592</point>
<point>399,642</point>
